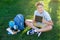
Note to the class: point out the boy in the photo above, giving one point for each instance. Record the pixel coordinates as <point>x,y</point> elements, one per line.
<point>46,20</point>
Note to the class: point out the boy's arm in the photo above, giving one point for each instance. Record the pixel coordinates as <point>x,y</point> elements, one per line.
<point>48,19</point>
<point>48,22</point>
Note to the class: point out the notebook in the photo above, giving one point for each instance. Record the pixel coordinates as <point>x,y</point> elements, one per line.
<point>12,32</point>
<point>38,18</point>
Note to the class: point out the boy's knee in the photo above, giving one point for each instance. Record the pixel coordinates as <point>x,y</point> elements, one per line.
<point>50,27</point>
<point>26,22</point>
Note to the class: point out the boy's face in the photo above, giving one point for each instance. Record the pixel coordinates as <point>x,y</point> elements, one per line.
<point>40,8</point>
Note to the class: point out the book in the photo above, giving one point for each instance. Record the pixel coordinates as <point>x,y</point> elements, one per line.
<point>38,19</point>
<point>11,31</point>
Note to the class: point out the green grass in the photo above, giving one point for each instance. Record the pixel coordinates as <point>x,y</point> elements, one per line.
<point>10,8</point>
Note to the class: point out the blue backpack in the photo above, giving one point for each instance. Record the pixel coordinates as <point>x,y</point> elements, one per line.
<point>19,21</point>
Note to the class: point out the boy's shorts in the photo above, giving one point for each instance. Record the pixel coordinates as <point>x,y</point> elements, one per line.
<point>39,25</point>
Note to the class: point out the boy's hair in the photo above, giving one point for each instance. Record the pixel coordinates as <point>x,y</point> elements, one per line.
<point>39,3</point>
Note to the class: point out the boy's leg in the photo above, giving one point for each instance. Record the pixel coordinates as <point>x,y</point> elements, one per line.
<point>47,28</point>
<point>30,23</point>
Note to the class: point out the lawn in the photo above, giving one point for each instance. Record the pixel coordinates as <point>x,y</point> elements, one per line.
<point>10,8</point>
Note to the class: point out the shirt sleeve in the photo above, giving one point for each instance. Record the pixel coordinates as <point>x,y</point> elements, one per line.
<point>34,13</point>
<point>47,16</point>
